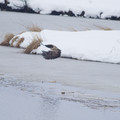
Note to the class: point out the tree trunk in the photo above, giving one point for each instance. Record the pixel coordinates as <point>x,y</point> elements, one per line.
<point>6,2</point>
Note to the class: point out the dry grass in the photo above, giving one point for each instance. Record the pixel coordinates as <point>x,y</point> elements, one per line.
<point>103,28</point>
<point>22,32</point>
<point>34,28</point>
<point>13,40</point>
<point>107,29</point>
<point>87,29</point>
<point>19,42</point>
<point>74,30</point>
<point>7,39</point>
<point>34,45</point>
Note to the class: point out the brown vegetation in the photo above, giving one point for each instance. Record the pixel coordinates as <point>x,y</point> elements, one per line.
<point>34,45</point>
<point>19,42</point>
<point>34,28</point>
<point>7,39</point>
<point>103,28</point>
<point>74,30</point>
<point>22,32</point>
<point>13,40</point>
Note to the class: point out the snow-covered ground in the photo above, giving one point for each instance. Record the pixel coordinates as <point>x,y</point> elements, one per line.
<point>94,8</point>
<point>34,88</point>
<point>92,45</point>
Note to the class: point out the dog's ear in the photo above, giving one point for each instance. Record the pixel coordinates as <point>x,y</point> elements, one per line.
<point>49,46</point>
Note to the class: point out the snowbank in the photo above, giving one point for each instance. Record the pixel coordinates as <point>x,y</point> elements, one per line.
<point>28,36</point>
<point>1,1</point>
<point>91,7</point>
<point>86,8</point>
<point>91,45</point>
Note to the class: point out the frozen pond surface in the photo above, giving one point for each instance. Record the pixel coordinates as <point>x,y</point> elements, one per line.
<point>32,88</point>
<point>17,22</point>
<point>44,100</point>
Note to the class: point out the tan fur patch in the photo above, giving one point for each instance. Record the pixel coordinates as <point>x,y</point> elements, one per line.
<point>19,42</point>
<point>7,39</point>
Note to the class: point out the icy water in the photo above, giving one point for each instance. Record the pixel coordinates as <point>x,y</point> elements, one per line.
<point>49,100</point>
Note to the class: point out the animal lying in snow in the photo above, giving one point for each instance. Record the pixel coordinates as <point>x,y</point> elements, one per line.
<point>53,53</point>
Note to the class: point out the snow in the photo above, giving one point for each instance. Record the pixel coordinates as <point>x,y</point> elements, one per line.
<point>91,7</point>
<point>93,45</point>
<point>86,45</point>
<point>28,36</point>
<point>1,1</point>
